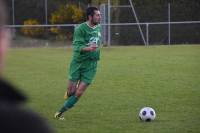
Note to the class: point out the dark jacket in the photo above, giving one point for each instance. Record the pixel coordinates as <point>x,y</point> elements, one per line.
<point>14,117</point>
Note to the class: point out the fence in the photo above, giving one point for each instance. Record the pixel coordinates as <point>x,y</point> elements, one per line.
<point>141,27</point>
<point>167,33</point>
<point>185,32</point>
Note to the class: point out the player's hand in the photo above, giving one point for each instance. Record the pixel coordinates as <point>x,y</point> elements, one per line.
<point>89,49</point>
<point>93,47</point>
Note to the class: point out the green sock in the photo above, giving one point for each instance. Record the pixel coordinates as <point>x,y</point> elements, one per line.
<point>69,103</point>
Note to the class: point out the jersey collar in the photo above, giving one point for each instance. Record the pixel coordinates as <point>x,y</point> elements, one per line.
<point>90,26</point>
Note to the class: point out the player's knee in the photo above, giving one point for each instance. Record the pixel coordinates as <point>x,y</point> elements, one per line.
<point>79,93</point>
<point>71,91</point>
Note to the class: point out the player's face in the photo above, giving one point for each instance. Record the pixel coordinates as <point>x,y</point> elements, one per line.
<point>96,17</point>
<point>4,42</point>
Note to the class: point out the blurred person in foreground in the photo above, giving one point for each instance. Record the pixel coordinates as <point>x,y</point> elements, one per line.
<point>14,117</point>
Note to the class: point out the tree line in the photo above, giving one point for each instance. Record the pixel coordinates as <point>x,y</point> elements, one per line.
<point>147,10</point>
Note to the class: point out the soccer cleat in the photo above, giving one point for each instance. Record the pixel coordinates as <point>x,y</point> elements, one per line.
<point>66,95</point>
<point>59,116</point>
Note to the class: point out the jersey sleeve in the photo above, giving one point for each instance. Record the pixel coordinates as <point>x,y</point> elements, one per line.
<point>79,41</point>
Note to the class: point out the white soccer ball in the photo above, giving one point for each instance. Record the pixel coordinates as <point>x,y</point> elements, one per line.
<point>147,114</point>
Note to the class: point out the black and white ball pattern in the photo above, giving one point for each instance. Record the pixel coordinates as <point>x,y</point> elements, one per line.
<point>147,114</point>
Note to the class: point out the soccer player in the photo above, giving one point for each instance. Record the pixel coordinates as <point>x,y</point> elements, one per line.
<point>86,52</point>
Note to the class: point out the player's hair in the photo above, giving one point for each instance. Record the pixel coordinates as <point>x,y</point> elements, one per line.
<point>3,16</point>
<point>90,11</point>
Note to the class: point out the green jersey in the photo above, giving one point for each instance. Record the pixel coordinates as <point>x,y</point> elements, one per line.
<point>84,35</point>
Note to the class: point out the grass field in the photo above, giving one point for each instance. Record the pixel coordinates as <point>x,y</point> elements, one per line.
<point>166,78</point>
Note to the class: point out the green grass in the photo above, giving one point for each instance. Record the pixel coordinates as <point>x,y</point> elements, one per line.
<point>166,78</point>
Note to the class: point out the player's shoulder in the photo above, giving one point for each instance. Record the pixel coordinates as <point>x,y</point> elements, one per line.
<point>81,26</point>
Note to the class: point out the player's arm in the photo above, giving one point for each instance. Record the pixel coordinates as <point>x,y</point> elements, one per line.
<point>90,48</point>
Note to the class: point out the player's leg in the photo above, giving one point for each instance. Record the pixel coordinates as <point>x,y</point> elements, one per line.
<point>81,89</point>
<point>87,75</point>
<point>86,78</point>
<point>71,89</point>
<point>71,101</point>
<point>74,76</point>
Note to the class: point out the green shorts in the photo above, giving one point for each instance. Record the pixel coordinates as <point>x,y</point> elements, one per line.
<point>83,71</point>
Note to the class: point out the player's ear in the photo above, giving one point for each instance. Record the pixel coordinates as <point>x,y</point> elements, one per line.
<point>89,17</point>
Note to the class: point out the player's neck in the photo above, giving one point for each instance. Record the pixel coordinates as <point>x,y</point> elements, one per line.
<point>91,25</point>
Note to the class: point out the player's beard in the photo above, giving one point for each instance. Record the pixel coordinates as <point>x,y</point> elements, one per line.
<point>94,22</point>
